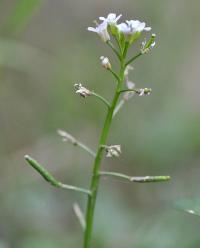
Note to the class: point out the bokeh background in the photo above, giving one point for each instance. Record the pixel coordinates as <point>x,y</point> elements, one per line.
<point>44,50</point>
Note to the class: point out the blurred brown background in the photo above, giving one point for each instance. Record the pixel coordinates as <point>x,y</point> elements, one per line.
<point>44,49</point>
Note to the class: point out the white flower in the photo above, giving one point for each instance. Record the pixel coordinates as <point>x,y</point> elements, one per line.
<point>82,91</point>
<point>101,30</point>
<point>124,28</point>
<point>105,62</point>
<point>113,151</point>
<point>111,18</point>
<point>137,26</point>
<point>133,26</point>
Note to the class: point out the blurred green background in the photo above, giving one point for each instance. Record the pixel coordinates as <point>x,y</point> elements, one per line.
<point>44,49</point>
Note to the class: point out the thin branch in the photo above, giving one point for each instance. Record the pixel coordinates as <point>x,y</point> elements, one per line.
<point>130,90</point>
<point>118,43</point>
<point>68,137</point>
<point>86,148</point>
<point>114,74</point>
<point>125,49</point>
<point>101,98</point>
<point>144,91</point>
<point>114,49</point>
<point>132,59</point>
<point>146,179</point>
<point>50,179</point>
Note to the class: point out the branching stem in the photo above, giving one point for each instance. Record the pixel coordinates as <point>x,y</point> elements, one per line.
<point>133,58</point>
<point>94,185</point>
<point>115,75</point>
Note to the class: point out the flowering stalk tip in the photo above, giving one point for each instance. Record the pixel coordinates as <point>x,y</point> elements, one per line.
<point>144,92</point>
<point>147,46</point>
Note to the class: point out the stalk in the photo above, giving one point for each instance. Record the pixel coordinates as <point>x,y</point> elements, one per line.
<point>94,185</point>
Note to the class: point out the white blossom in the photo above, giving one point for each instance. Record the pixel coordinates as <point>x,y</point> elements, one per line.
<point>111,19</point>
<point>124,28</point>
<point>113,151</point>
<point>82,91</point>
<point>105,62</point>
<point>133,26</point>
<point>101,30</point>
<point>137,26</point>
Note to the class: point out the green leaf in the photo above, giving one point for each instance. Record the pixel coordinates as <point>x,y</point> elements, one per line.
<point>21,14</point>
<point>189,205</point>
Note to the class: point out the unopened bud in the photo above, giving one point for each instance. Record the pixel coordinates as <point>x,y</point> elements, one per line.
<point>144,92</point>
<point>147,46</point>
<point>105,62</point>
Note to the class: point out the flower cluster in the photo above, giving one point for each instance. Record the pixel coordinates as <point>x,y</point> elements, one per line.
<point>126,31</point>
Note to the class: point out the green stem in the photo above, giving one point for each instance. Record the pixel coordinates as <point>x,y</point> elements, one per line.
<point>125,49</point>
<point>132,59</point>
<point>97,163</point>
<point>136,90</point>
<point>68,137</point>
<point>114,74</point>
<point>86,148</point>
<point>101,98</point>
<point>114,49</point>
<point>146,179</point>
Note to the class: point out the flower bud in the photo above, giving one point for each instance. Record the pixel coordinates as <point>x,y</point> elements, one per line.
<point>144,92</point>
<point>147,46</point>
<point>105,62</point>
